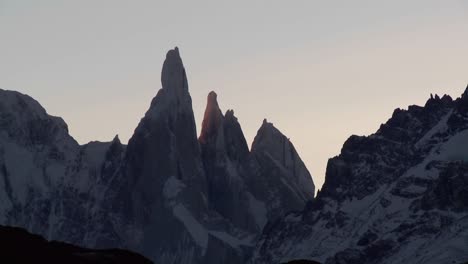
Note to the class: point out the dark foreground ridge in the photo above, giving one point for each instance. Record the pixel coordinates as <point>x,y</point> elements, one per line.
<point>302,261</point>
<point>19,246</point>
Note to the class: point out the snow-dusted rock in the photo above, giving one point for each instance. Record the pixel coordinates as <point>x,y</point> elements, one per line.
<point>397,196</point>
<point>281,182</point>
<point>250,189</point>
<point>167,195</point>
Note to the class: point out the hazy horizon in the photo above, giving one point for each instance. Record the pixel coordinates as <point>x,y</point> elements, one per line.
<point>319,72</point>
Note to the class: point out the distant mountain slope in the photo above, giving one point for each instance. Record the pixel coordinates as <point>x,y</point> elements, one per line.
<point>397,196</point>
<point>19,246</point>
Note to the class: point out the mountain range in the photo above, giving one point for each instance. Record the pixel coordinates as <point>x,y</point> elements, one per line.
<point>399,195</point>
<point>169,195</point>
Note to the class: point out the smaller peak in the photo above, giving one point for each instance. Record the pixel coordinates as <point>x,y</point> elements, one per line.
<point>116,140</point>
<point>446,98</point>
<point>266,124</point>
<point>465,93</point>
<point>229,116</point>
<point>173,53</point>
<point>266,135</point>
<point>230,113</point>
<point>115,149</point>
<point>436,101</point>
<point>212,119</point>
<point>212,102</point>
<point>212,97</point>
<point>173,77</point>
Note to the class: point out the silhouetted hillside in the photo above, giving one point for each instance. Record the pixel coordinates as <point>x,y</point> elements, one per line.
<point>19,246</point>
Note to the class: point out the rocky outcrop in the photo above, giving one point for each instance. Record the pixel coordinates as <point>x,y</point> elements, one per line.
<point>395,196</point>
<point>165,185</point>
<point>282,170</point>
<point>251,188</point>
<point>225,152</point>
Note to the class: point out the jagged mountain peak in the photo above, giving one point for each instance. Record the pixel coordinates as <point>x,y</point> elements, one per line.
<point>391,197</point>
<point>465,93</point>
<point>268,137</point>
<point>116,140</point>
<point>115,148</point>
<point>272,145</point>
<point>174,96</point>
<point>173,77</point>
<point>436,100</point>
<point>230,114</point>
<point>212,119</point>
<point>166,194</point>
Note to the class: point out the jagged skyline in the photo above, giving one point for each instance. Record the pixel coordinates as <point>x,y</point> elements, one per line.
<point>320,72</point>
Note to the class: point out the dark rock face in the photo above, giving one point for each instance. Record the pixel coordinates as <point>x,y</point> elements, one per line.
<point>280,168</point>
<point>397,196</point>
<point>167,195</point>
<point>224,153</point>
<point>163,171</point>
<point>250,189</point>
<point>19,246</point>
<point>449,191</point>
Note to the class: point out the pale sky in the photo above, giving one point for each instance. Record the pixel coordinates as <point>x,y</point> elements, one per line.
<point>320,71</point>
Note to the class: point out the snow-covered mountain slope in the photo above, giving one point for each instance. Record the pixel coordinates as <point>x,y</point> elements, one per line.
<point>397,196</point>
<point>47,179</point>
<point>167,195</point>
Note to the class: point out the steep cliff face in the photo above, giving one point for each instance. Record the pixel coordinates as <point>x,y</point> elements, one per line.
<point>396,196</point>
<point>283,178</point>
<point>251,188</point>
<point>225,152</point>
<point>167,195</point>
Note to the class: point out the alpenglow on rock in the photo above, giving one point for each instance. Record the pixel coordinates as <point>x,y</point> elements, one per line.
<point>245,187</point>
<point>168,195</point>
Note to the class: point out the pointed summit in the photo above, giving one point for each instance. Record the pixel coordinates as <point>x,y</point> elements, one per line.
<point>162,158</point>
<point>115,146</point>
<point>465,93</point>
<point>212,119</point>
<point>116,140</point>
<point>268,136</point>
<point>173,77</point>
<point>174,97</point>
<point>271,144</point>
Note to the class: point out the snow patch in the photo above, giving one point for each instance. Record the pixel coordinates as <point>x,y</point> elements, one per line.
<point>232,241</point>
<point>440,127</point>
<point>258,210</point>
<point>456,148</point>
<point>172,188</point>
<point>195,229</point>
